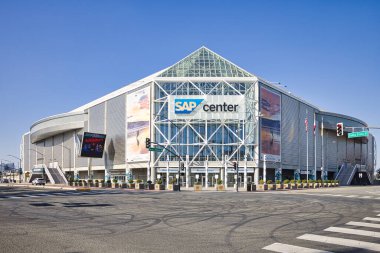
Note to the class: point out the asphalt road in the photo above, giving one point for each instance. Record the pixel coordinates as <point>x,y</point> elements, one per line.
<point>133,221</point>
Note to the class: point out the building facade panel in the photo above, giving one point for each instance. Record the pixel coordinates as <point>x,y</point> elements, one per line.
<point>68,144</point>
<point>290,130</point>
<point>116,126</point>
<point>57,148</point>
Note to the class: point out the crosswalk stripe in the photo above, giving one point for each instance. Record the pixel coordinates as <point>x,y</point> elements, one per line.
<point>31,196</point>
<point>372,219</point>
<point>363,224</point>
<point>14,197</point>
<point>286,248</point>
<point>365,197</point>
<point>351,196</point>
<point>341,241</point>
<point>353,231</point>
<point>377,198</point>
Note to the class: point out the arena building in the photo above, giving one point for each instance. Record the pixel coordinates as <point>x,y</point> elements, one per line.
<point>206,114</point>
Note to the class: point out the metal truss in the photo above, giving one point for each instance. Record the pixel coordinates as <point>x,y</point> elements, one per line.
<point>236,136</point>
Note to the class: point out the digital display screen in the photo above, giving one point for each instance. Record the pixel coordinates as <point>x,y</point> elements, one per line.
<point>93,145</point>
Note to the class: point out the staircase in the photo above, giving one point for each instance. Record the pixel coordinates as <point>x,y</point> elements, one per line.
<point>56,174</point>
<point>346,174</point>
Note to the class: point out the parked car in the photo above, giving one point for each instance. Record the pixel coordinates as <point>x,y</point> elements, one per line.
<point>39,181</point>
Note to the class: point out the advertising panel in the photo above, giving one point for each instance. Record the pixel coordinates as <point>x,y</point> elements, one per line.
<point>93,145</point>
<point>138,116</point>
<point>270,138</point>
<point>206,107</point>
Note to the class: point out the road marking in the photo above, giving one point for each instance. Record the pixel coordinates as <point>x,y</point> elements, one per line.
<point>353,231</point>
<point>351,196</point>
<point>337,195</point>
<point>372,219</point>
<point>14,197</point>
<point>365,197</point>
<point>377,198</point>
<point>341,241</point>
<point>363,224</point>
<point>286,248</point>
<point>32,196</point>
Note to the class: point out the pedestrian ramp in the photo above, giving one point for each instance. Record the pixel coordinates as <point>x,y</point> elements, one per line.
<point>354,236</point>
<point>346,174</point>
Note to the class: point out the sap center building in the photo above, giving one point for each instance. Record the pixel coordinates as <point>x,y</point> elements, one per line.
<point>202,115</point>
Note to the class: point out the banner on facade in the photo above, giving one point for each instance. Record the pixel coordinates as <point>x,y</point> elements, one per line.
<point>138,118</point>
<point>270,108</point>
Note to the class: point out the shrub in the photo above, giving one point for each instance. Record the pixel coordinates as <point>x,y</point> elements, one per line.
<point>149,182</point>
<point>198,183</point>
<point>159,181</point>
<point>108,181</point>
<point>286,181</point>
<point>114,180</point>
<point>130,181</point>
<point>319,181</point>
<point>219,181</point>
<point>292,181</point>
<point>261,181</point>
<point>89,181</point>
<point>278,182</point>
<point>102,181</point>
<point>96,181</point>
<point>172,181</point>
<point>298,181</point>
<point>138,181</point>
<point>304,181</point>
<point>269,181</point>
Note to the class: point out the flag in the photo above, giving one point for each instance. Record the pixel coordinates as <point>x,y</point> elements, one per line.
<point>314,126</point>
<point>322,128</point>
<point>306,124</point>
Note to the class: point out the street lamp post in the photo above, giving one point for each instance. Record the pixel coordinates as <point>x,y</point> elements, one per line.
<point>19,166</point>
<point>179,138</point>
<point>43,159</point>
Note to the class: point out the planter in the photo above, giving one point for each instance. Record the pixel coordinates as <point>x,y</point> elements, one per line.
<point>173,187</point>
<point>131,186</point>
<point>271,187</point>
<point>316,185</point>
<point>198,187</point>
<point>159,187</point>
<point>287,186</point>
<point>336,184</point>
<point>279,186</point>
<point>219,187</point>
<point>249,187</point>
<point>329,185</point>
<point>262,187</point>
<point>123,185</point>
<point>294,186</point>
<point>253,187</point>
<point>114,185</point>
<point>299,185</point>
<point>96,185</point>
<point>101,185</point>
<point>150,186</point>
<point>139,186</point>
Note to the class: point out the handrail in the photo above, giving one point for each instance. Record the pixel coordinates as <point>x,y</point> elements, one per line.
<point>352,174</point>
<point>341,168</point>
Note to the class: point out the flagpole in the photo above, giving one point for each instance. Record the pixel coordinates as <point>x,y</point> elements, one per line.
<point>323,153</point>
<point>307,147</point>
<point>315,149</point>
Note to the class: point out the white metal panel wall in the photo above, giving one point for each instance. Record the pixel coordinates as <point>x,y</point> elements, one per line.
<point>302,135</point>
<point>68,143</point>
<point>81,161</point>
<point>350,151</point>
<point>332,147</point>
<point>116,129</point>
<point>57,148</point>
<point>32,158</point>
<point>341,149</point>
<point>48,150</point>
<point>26,151</point>
<point>40,146</point>
<point>358,150</point>
<point>319,143</point>
<point>289,133</point>
<point>96,125</point>
<point>371,151</point>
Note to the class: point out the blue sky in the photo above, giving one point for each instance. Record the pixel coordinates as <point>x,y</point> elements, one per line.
<point>58,55</point>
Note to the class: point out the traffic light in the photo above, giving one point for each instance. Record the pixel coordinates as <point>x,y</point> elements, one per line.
<point>339,129</point>
<point>235,165</point>
<point>147,142</point>
<point>182,168</point>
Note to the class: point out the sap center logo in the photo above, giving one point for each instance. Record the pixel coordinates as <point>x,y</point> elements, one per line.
<point>186,105</point>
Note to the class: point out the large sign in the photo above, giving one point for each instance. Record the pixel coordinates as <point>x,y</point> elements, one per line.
<point>270,137</point>
<point>206,107</point>
<point>138,117</point>
<point>93,145</point>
